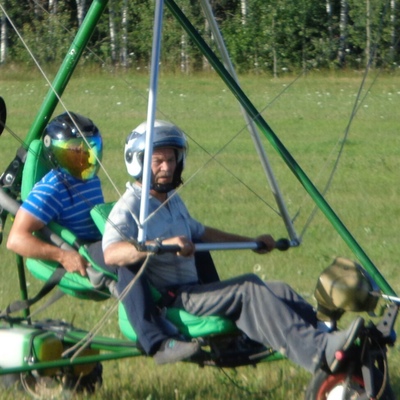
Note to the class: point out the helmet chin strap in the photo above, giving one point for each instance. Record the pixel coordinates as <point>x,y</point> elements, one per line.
<point>163,187</point>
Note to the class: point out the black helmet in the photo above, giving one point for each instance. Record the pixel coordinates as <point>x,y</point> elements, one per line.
<point>165,135</point>
<point>74,144</point>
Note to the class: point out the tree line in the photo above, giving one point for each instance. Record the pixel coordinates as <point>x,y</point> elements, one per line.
<point>260,35</point>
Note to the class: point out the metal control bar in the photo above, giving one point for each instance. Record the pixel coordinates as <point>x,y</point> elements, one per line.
<point>159,248</point>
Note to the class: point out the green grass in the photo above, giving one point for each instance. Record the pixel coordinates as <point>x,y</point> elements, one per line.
<point>310,117</point>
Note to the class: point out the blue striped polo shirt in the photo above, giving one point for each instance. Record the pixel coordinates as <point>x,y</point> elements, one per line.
<point>66,200</point>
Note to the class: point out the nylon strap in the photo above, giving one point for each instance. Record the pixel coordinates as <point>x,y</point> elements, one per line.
<point>20,305</point>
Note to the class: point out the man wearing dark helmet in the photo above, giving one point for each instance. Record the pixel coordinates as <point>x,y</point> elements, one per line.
<point>270,313</point>
<point>72,149</point>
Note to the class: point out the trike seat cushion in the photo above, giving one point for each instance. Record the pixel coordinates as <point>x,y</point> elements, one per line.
<point>81,287</point>
<point>188,324</point>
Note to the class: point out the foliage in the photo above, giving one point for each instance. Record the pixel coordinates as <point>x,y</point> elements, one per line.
<point>273,36</point>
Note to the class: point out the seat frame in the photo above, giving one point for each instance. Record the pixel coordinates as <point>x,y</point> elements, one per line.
<point>81,287</point>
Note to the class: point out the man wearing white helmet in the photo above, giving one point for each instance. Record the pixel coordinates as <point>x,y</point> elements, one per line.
<point>270,313</point>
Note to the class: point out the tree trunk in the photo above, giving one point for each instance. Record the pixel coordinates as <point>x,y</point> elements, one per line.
<point>3,37</point>
<point>330,27</point>
<point>274,56</point>
<point>208,34</point>
<point>124,39</point>
<point>368,55</point>
<point>80,8</point>
<point>53,6</point>
<point>393,29</point>
<point>113,33</point>
<point>184,58</point>
<point>243,9</point>
<point>343,32</point>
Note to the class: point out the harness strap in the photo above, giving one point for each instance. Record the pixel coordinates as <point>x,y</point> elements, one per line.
<point>20,305</point>
<point>56,296</point>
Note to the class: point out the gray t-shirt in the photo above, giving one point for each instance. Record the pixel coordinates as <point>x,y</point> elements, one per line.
<point>171,219</point>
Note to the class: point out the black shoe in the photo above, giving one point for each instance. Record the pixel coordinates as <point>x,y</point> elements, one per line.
<point>172,350</point>
<point>341,341</point>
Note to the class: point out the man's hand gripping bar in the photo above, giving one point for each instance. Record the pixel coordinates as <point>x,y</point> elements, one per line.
<point>159,248</point>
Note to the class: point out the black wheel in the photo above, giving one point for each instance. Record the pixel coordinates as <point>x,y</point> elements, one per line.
<point>324,386</point>
<point>63,385</point>
<point>88,383</point>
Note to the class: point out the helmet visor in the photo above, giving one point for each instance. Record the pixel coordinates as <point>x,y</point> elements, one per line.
<point>78,158</point>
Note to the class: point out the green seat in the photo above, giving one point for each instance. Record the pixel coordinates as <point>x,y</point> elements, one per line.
<point>81,287</point>
<point>188,324</point>
<point>72,284</point>
<point>35,167</point>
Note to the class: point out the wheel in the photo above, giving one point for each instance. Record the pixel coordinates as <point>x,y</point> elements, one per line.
<point>87,384</point>
<point>64,385</point>
<point>324,386</point>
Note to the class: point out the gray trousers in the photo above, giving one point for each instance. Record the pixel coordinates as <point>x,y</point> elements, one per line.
<point>271,313</point>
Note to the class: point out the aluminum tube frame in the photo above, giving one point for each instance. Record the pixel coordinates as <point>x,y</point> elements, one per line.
<point>151,110</point>
<point>205,4</point>
<point>310,188</point>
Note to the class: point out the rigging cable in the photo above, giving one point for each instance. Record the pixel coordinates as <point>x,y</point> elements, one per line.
<point>357,104</point>
<point>355,109</point>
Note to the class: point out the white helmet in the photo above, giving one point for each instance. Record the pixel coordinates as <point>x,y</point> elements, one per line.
<point>165,135</point>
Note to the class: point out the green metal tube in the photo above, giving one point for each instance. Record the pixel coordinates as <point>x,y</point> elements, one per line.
<point>68,362</point>
<point>22,284</point>
<point>280,149</point>
<point>103,343</point>
<point>66,69</point>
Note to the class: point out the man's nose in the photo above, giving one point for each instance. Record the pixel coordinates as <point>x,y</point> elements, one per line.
<point>166,166</point>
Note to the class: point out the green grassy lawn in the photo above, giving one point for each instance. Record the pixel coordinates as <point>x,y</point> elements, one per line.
<point>310,117</point>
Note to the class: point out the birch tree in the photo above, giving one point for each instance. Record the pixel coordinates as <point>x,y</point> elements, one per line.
<point>329,13</point>
<point>124,33</point>
<point>243,9</point>
<point>80,10</point>
<point>343,32</point>
<point>113,31</point>
<point>393,40</point>
<point>3,36</point>
<point>368,33</point>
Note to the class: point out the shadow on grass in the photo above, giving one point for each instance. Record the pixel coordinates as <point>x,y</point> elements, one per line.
<point>395,382</point>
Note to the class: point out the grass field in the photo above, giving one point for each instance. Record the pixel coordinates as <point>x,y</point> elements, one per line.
<point>310,116</point>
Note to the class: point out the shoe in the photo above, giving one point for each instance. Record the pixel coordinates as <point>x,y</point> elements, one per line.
<point>341,342</point>
<point>172,350</point>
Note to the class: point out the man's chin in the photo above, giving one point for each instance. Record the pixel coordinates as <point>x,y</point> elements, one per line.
<point>163,188</point>
<point>163,181</point>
